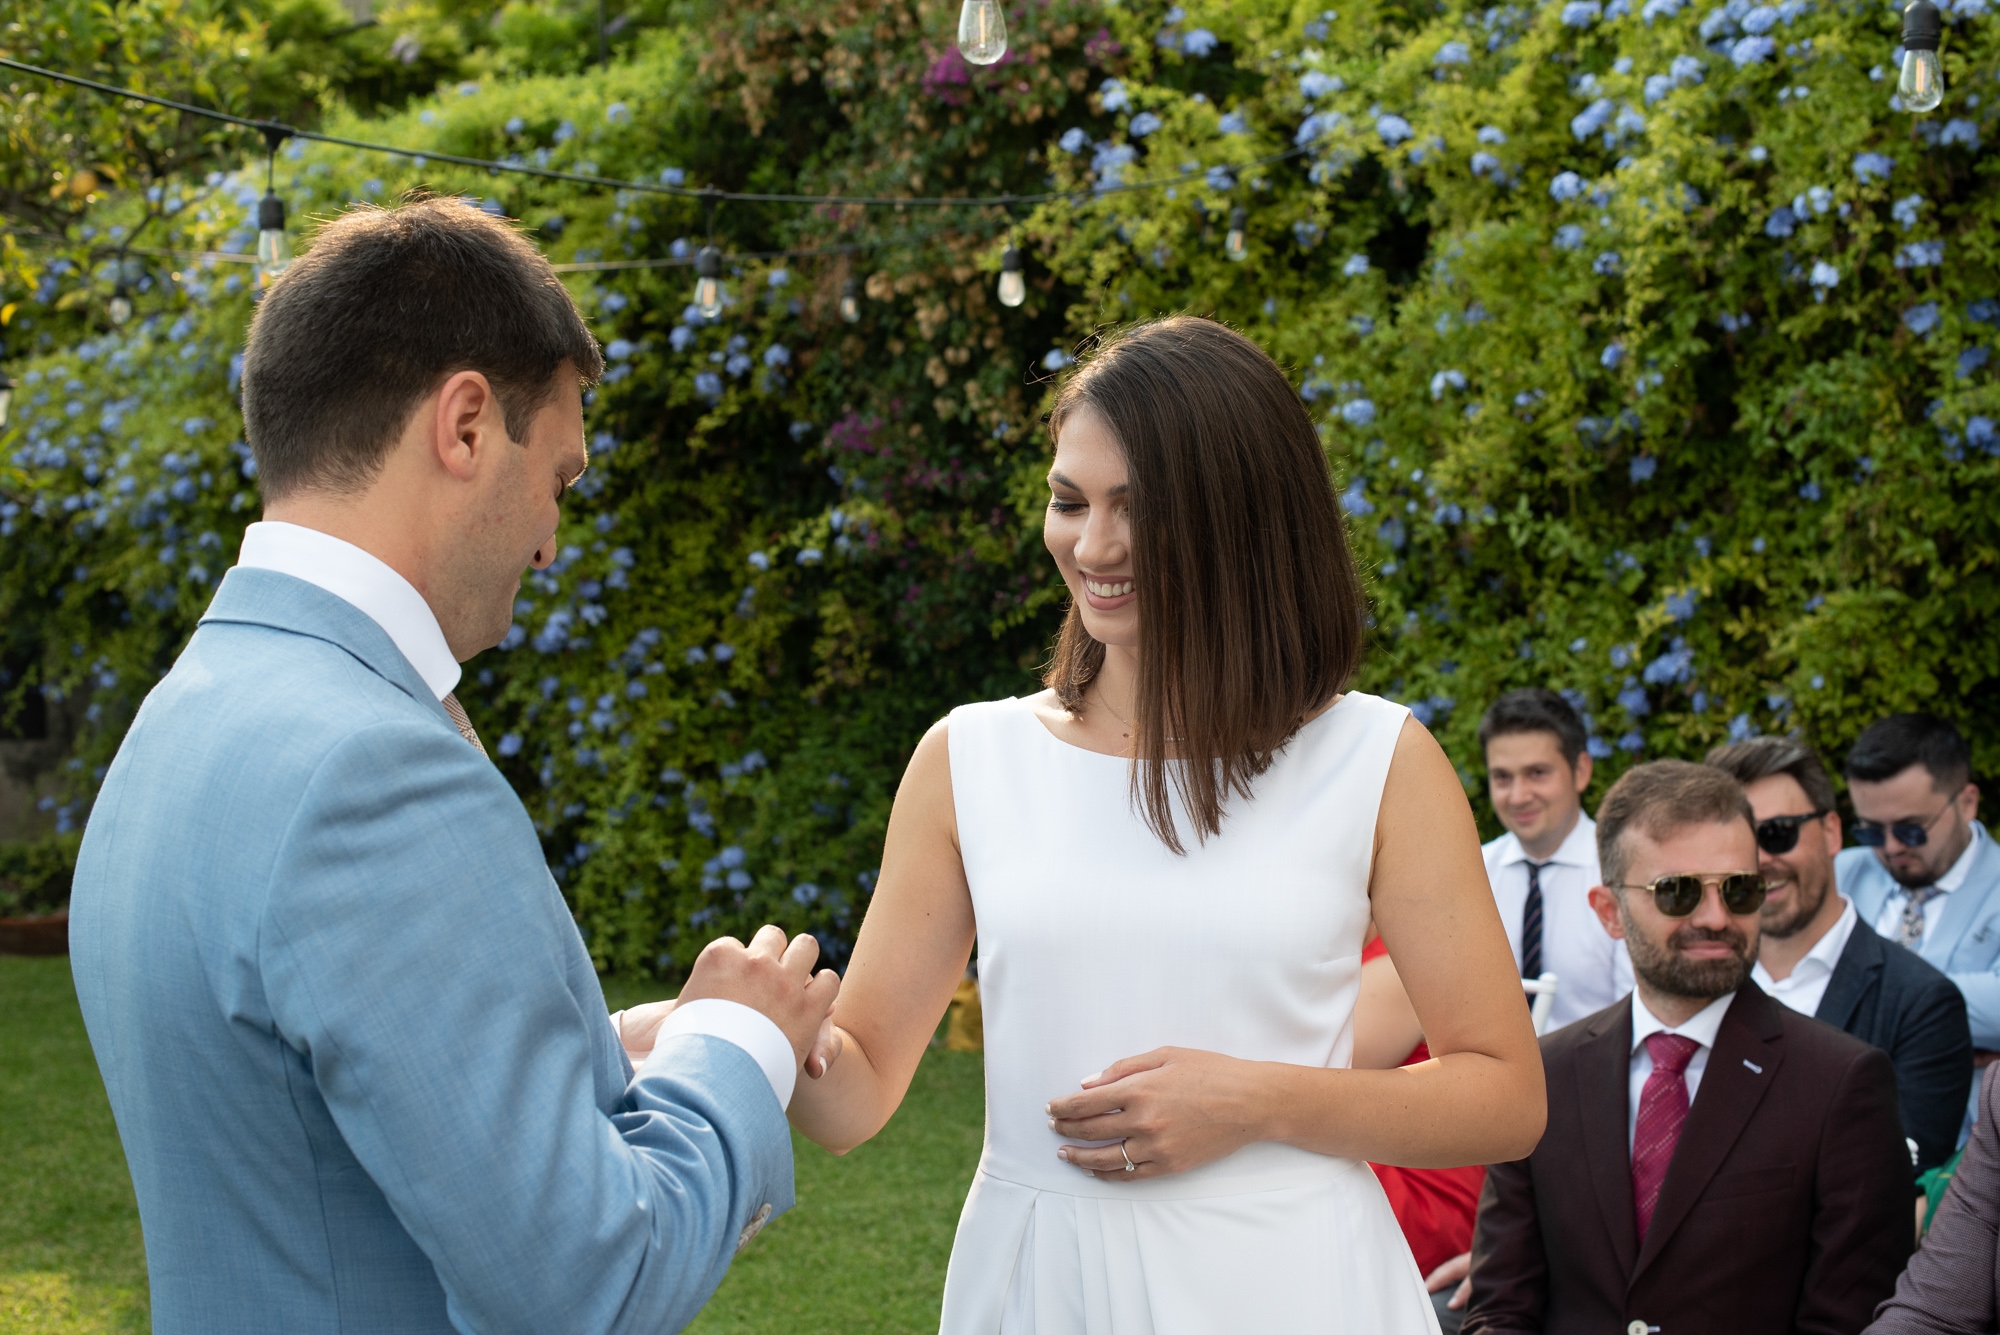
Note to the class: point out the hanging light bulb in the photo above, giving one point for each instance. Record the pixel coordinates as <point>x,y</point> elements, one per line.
<point>1922,86</point>
<point>119,308</point>
<point>6,397</point>
<point>1013,282</point>
<point>708,293</point>
<point>850,302</point>
<point>1233,245</point>
<point>274,249</point>
<point>982,31</point>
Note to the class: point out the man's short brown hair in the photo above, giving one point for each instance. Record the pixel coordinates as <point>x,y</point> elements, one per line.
<point>1761,757</point>
<point>1660,797</point>
<point>385,305</point>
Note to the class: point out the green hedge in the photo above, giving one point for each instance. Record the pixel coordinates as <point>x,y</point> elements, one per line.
<point>1632,359</point>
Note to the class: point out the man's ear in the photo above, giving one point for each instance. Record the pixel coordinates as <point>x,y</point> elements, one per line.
<point>1582,771</point>
<point>1605,904</point>
<point>465,423</point>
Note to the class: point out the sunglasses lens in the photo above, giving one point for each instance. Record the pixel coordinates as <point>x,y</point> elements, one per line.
<point>1778,836</point>
<point>1869,836</point>
<point>1910,836</point>
<point>1743,893</point>
<point>1677,896</point>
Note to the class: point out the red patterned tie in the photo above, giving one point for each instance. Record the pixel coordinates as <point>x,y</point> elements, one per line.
<point>1663,1108</point>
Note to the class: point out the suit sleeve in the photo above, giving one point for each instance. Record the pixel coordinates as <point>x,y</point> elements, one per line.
<point>1510,1273</point>
<point>1864,1220</point>
<point>1933,1058</point>
<point>1948,1287</point>
<point>417,952</point>
<point>1981,990</point>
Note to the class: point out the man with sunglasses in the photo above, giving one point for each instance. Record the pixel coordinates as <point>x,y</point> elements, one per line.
<point>1714,1161</point>
<point>1927,875</point>
<point>1819,957</point>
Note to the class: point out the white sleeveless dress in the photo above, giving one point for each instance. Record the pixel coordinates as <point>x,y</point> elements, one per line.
<point>1096,943</point>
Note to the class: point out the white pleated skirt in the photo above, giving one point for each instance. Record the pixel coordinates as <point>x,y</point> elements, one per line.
<point>1326,1256</point>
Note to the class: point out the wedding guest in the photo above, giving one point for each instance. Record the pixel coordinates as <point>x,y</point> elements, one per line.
<point>357,1051</point>
<point>1952,1284</point>
<point>1541,870</point>
<point>1819,958</point>
<point>1714,1161</point>
<point>1927,875</point>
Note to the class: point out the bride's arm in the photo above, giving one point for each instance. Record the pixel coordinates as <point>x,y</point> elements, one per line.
<point>907,961</point>
<point>1480,1099</point>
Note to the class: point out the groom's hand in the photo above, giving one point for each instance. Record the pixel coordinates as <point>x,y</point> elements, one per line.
<point>772,977</point>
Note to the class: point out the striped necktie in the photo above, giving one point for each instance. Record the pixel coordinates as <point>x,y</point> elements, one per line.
<point>458,718</point>
<point>1663,1110</point>
<point>1531,924</point>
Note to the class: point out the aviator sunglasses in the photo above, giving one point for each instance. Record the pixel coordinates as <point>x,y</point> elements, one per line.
<point>1871,834</point>
<point>1778,835</point>
<point>1678,895</point>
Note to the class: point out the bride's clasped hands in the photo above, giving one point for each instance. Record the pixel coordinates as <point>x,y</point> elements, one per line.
<point>1163,1112</point>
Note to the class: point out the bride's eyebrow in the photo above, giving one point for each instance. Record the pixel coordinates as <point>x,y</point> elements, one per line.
<point>1061,480</point>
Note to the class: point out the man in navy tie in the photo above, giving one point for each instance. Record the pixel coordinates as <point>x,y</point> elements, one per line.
<point>1714,1161</point>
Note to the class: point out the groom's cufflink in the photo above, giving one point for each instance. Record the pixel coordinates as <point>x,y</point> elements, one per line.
<point>753,1228</point>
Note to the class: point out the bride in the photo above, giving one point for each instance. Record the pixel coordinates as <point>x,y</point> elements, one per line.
<point>1168,860</point>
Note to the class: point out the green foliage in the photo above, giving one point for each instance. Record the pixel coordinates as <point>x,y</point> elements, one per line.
<point>1626,358</point>
<point>35,876</point>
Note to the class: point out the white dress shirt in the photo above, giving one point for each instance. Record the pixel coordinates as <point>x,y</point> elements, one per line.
<point>1805,986</point>
<point>1701,1027</point>
<point>1889,922</point>
<point>393,603</point>
<point>1592,970</point>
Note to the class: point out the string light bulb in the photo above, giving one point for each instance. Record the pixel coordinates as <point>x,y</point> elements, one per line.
<point>6,397</point>
<point>1234,245</point>
<point>274,248</point>
<point>850,302</point>
<point>982,31</point>
<point>1013,281</point>
<point>708,293</point>
<point>1922,86</point>
<point>119,308</point>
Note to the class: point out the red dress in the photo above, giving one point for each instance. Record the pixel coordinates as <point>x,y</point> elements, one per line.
<point>1435,1206</point>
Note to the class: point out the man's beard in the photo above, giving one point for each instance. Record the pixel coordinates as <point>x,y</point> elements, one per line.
<point>1804,909</point>
<point>1660,963</point>
<point>1915,878</point>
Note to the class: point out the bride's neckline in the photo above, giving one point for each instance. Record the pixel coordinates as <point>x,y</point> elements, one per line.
<point>1044,727</point>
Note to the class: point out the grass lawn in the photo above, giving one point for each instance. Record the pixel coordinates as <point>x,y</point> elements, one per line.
<point>864,1249</point>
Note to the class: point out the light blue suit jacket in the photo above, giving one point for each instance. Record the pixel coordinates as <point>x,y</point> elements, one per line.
<point>1965,943</point>
<point>357,1052</point>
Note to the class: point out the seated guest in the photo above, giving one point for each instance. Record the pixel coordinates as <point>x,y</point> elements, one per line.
<point>1952,1285</point>
<point>1543,867</point>
<point>1819,958</point>
<point>1433,1206</point>
<point>1927,875</point>
<point>1714,1161</point>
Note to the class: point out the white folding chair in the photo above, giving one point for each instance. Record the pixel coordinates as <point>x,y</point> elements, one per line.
<point>1543,990</point>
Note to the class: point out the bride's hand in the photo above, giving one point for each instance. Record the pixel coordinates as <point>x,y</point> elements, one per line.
<point>1174,1109</point>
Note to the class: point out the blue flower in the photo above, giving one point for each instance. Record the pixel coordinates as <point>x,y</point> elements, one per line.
<point>1232,122</point>
<point>1393,129</point>
<point>1633,700</point>
<point>1307,233</point>
<point>1220,179</point>
<point>1920,255</point>
<point>1657,87</point>
<point>1971,360</point>
<point>1960,132</point>
<point>1443,380</point>
<point>514,125</point>
<point>1905,210</point>
<point>618,113</point>
<point>1824,277</point>
<point>1491,134</point>
<point>1643,468</point>
<point>1581,13</point>
<point>1751,50</point>
<point>1686,70</point>
<point>1073,140</point>
<point>1921,319</point>
<point>1873,166</point>
<point>1659,9</point>
<point>777,355</point>
<point>1592,118</point>
<point>1566,187</point>
<point>1358,412</point>
<point>1984,310</point>
<point>810,556</point>
<point>1484,162</point>
<point>1453,53</point>
<point>1392,534</point>
<point>510,744</point>
<point>1606,263</point>
<point>1632,741</point>
<point>1312,84</point>
<point>1810,491</point>
<point>1680,606</point>
<point>1782,222</point>
<point>1144,124</point>
<point>1354,500</point>
<point>1613,354</point>
<point>1569,237</point>
<point>1356,265</point>
<point>1198,42</point>
<point>1110,161</point>
<point>1112,93</point>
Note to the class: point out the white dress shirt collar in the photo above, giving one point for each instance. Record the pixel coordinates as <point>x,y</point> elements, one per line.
<point>369,583</point>
<point>1805,986</point>
<point>1702,1026</point>
<point>1962,868</point>
<point>1579,846</point>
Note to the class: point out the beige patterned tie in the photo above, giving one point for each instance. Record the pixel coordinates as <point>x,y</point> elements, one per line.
<point>1910,931</point>
<point>464,724</point>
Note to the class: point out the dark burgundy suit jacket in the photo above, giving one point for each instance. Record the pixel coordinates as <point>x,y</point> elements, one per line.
<point>1787,1206</point>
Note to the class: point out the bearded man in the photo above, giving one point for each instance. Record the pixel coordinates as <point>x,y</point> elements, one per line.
<point>1820,957</point>
<point>1714,1161</point>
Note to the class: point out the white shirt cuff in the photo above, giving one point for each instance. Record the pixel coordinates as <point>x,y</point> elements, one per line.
<point>749,1029</point>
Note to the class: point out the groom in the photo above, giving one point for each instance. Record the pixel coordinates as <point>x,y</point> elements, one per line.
<point>358,1055</point>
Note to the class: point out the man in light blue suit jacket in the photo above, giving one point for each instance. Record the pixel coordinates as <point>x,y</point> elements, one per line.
<point>357,1052</point>
<point>1928,876</point>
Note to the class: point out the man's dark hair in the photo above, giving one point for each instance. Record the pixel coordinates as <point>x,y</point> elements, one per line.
<point>385,305</point>
<point>1761,757</point>
<point>1535,709</point>
<point>1887,748</point>
<point>1660,797</point>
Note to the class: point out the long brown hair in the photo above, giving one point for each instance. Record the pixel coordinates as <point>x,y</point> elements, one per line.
<point>1250,607</point>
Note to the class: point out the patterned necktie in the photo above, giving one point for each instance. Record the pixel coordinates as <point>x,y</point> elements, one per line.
<point>1531,924</point>
<point>1910,931</point>
<point>464,724</point>
<point>1663,1109</point>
